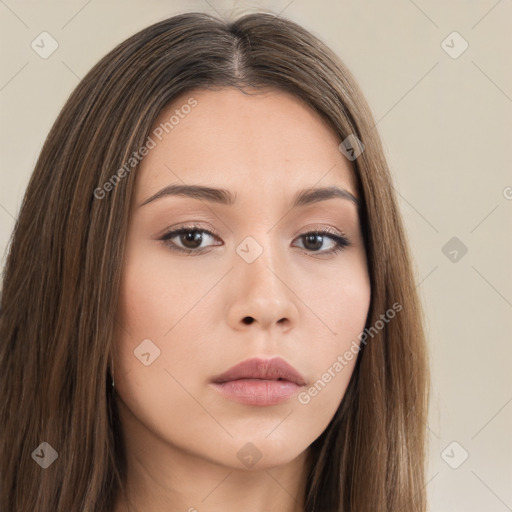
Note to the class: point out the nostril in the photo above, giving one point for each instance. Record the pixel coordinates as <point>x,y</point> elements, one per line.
<point>248,320</point>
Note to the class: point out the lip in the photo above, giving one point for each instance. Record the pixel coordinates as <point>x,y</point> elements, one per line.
<point>259,381</point>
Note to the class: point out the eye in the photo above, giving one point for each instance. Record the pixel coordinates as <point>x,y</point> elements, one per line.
<point>313,241</point>
<point>194,240</point>
<point>188,239</point>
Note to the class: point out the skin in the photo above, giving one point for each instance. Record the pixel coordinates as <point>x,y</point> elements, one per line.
<point>181,435</point>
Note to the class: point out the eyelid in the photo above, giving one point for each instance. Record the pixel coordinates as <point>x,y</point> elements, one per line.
<point>192,225</point>
<point>323,229</point>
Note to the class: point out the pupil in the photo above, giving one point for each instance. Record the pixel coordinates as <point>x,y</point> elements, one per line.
<point>192,239</point>
<point>311,239</point>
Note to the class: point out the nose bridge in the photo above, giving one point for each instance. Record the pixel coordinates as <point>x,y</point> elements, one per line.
<point>260,261</point>
<point>258,278</point>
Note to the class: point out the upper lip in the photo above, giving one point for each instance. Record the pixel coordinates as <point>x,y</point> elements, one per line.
<point>267,369</point>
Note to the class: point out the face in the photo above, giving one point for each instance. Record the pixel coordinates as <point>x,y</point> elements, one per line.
<point>254,268</point>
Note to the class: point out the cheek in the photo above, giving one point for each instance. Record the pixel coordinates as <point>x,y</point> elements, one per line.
<point>341,308</point>
<point>331,359</point>
<point>159,335</point>
<point>158,344</point>
<point>156,293</point>
<point>340,299</point>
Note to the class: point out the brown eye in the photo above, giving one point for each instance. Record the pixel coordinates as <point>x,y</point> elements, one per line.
<point>191,239</point>
<point>316,240</point>
<point>188,239</point>
<point>313,242</point>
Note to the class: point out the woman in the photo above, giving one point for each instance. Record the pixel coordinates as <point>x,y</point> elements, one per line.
<point>208,302</point>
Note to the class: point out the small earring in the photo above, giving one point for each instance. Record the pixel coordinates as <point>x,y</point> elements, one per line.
<point>112,370</point>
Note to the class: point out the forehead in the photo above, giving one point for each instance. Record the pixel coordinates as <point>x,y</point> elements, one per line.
<point>265,139</point>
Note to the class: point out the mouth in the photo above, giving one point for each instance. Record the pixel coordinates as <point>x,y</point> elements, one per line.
<point>259,382</point>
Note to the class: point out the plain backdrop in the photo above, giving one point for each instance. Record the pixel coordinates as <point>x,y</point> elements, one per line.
<point>443,106</point>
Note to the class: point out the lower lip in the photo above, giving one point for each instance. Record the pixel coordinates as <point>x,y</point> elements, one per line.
<point>257,391</point>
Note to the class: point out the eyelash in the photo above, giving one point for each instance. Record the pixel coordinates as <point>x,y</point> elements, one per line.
<point>340,240</point>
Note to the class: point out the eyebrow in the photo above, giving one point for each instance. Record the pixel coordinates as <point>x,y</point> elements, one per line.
<point>225,197</point>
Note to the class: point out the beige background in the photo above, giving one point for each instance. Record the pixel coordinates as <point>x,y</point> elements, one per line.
<point>446,126</point>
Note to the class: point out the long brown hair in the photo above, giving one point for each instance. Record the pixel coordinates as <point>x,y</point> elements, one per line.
<point>62,275</point>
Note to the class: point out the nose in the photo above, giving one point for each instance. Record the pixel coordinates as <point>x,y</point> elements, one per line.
<point>262,296</point>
